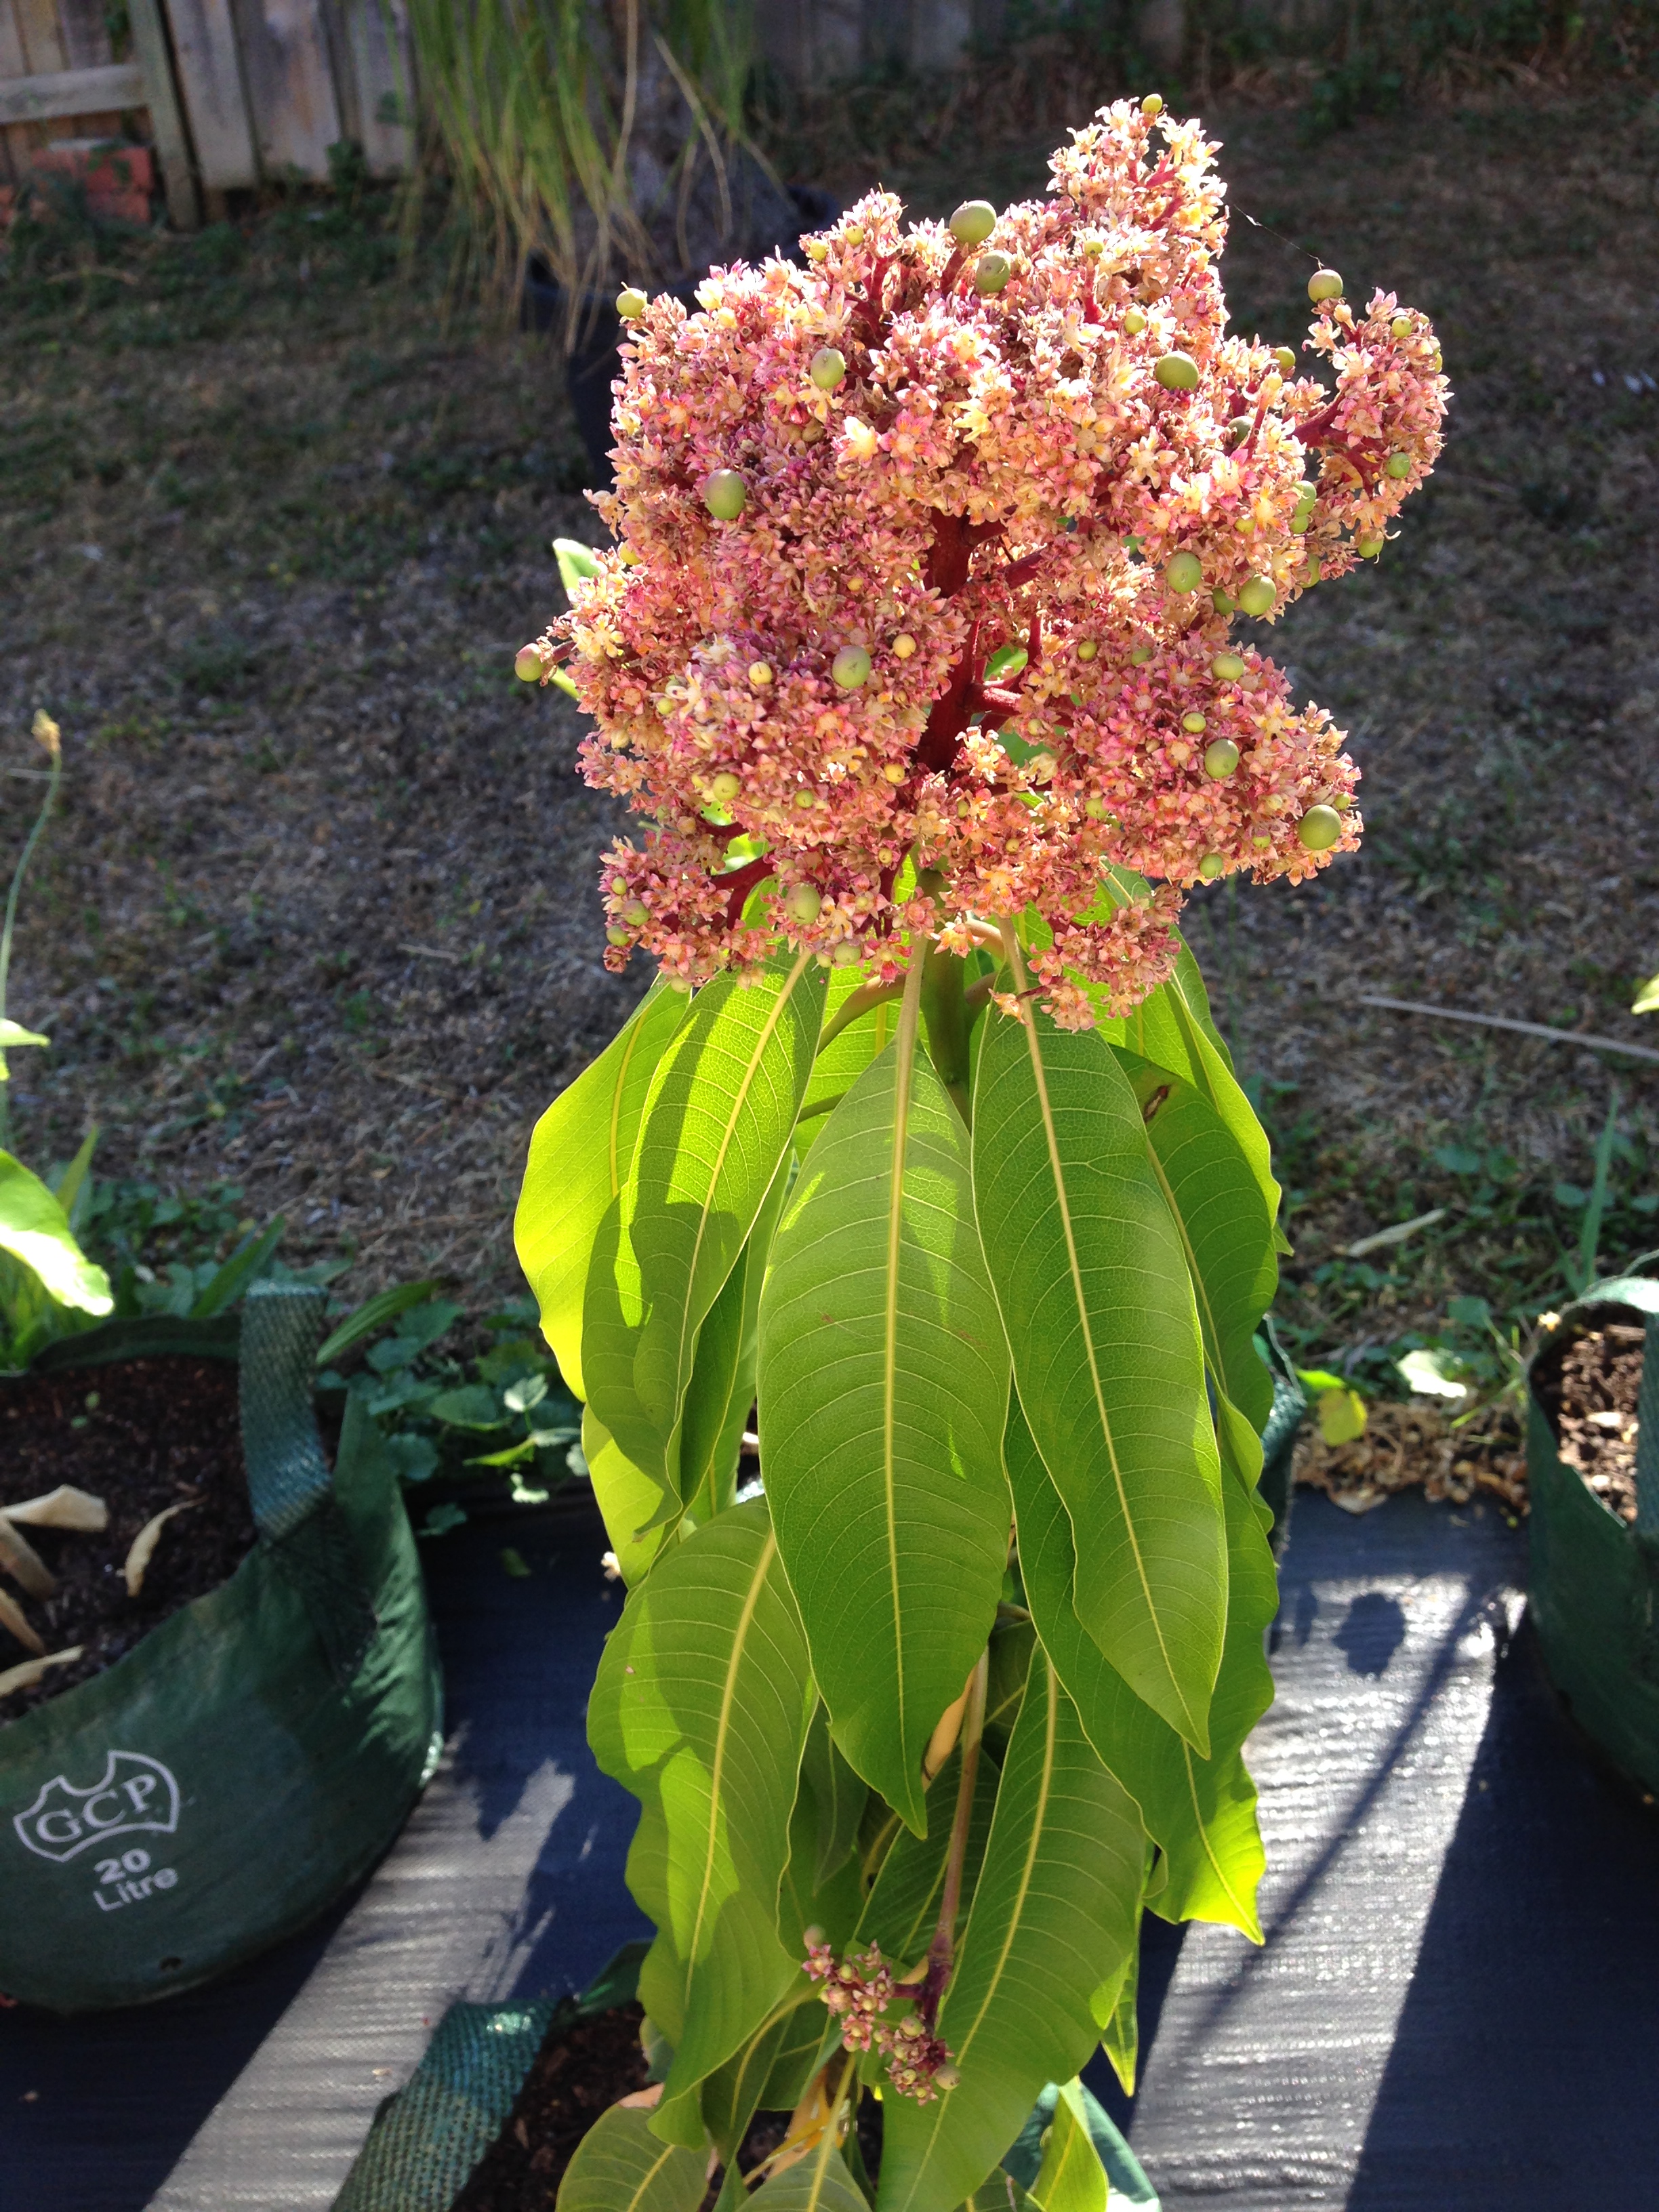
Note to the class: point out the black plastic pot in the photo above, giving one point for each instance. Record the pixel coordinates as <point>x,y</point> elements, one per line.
<point>1592,1589</point>
<point>593,365</point>
<point>241,1766</point>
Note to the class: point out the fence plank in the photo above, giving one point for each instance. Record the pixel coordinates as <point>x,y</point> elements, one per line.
<point>85,34</point>
<point>43,49</point>
<point>382,63</point>
<point>296,117</point>
<point>166,122</point>
<point>210,87</point>
<point>70,92</point>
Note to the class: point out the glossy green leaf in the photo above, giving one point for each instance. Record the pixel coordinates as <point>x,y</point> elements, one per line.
<point>1010,1662</point>
<point>1108,1360</point>
<point>373,1315</point>
<point>998,2192</point>
<point>580,1153</point>
<point>883,1382</point>
<point>818,2182</point>
<point>839,1064</point>
<point>1120,2031</point>
<point>1071,2178</point>
<point>839,1796</point>
<point>722,1391</point>
<point>1201,1812</point>
<point>777,2056</point>
<point>1055,1909</point>
<point>1226,1230</point>
<point>717,1122</point>
<point>621,2166</point>
<point>246,1264</point>
<point>701,1709</point>
<point>34,1228</point>
<point>631,1501</point>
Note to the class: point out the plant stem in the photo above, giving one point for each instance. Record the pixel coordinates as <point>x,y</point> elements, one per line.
<point>17,875</point>
<point>973,1727</point>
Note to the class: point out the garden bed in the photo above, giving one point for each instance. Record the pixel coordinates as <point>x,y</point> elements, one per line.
<point>141,1438</point>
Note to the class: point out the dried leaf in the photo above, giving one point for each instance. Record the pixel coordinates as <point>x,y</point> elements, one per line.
<point>13,1617</point>
<point>23,1563</point>
<point>26,1676</point>
<point>63,1508</point>
<point>144,1543</point>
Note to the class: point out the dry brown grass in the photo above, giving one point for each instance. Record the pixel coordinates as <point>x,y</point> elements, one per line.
<point>295,750</point>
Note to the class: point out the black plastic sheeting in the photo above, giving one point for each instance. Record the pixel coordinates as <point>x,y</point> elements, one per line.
<point>1455,2011</point>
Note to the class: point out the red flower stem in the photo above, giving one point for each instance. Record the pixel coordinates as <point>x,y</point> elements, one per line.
<point>941,1951</point>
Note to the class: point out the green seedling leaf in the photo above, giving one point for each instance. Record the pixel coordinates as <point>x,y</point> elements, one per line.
<point>415,1458</point>
<point>883,1385</point>
<point>1108,1358</point>
<point>1200,1812</point>
<point>580,1155</point>
<point>1341,1416</point>
<point>621,2166</point>
<point>72,1183</point>
<point>514,1563</point>
<point>1432,1374</point>
<point>519,1397</point>
<point>442,1518</point>
<point>376,1313</point>
<point>13,1033</point>
<point>716,1125</point>
<point>471,1406</point>
<point>701,1709</point>
<point>246,1264</point>
<point>35,1231</point>
<point>1055,1911</point>
<point>1646,999</point>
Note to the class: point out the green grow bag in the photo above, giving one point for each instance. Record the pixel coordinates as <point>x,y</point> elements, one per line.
<point>1594,1581</point>
<point>221,1784</point>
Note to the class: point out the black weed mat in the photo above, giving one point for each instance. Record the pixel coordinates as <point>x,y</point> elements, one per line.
<point>1454,2012</point>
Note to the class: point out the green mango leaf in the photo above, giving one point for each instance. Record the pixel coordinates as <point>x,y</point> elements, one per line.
<point>1056,1908</point>
<point>785,2048</point>
<point>1071,2178</point>
<point>580,1154</point>
<point>884,1379</point>
<point>1226,1230</point>
<point>631,1502</point>
<point>716,1125</point>
<point>839,1064</point>
<point>819,2183</point>
<point>1120,2031</point>
<point>722,1392</point>
<point>578,563</point>
<point>34,1228</point>
<point>1026,2158</point>
<point>1011,1662</point>
<point>998,2192</point>
<point>621,2166</point>
<point>701,1709</point>
<point>1108,1360</point>
<point>839,1796</point>
<point>1200,1812</point>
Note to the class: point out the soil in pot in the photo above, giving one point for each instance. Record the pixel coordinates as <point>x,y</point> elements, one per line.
<point>1589,1391</point>
<point>580,2070</point>
<point>142,1436</point>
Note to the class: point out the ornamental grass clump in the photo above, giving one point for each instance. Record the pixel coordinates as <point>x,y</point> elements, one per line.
<point>920,651</point>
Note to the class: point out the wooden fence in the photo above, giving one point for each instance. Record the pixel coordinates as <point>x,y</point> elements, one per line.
<point>238,93</point>
<point>230,93</point>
